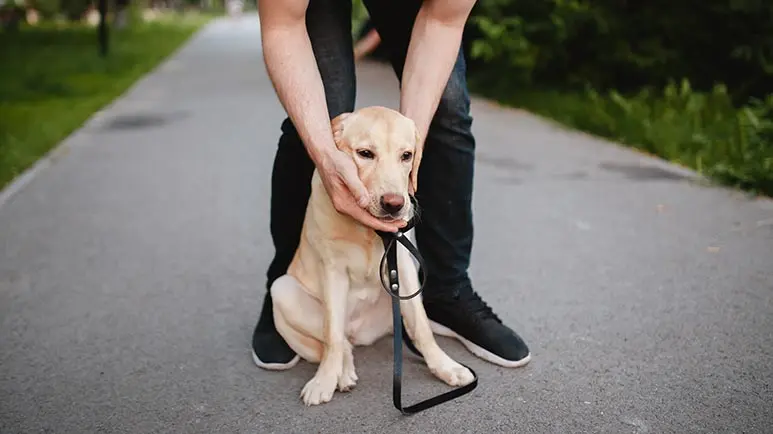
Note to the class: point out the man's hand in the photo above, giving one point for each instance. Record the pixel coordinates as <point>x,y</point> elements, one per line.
<point>298,84</point>
<point>347,192</point>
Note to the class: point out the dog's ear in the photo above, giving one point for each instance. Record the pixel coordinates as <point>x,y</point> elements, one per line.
<point>337,125</point>
<point>418,151</point>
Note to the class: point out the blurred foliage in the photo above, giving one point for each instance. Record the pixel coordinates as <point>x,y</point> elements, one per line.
<point>689,81</point>
<point>47,8</point>
<point>74,9</point>
<point>625,45</point>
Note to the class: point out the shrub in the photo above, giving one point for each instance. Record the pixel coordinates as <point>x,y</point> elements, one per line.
<point>74,9</point>
<point>48,9</point>
<point>626,45</point>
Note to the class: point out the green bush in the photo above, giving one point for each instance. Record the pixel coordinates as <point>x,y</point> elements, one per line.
<point>48,9</point>
<point>608,67</point>
<point>74,9</point>
<point>626,45</point>
<point>750,162</point>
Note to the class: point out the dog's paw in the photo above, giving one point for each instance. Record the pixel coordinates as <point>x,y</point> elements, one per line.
<point>348,378</point>
<point>452,373</point>
<point>319,389</point>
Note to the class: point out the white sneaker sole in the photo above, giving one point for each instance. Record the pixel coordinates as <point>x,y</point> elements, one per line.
<point>275,366</point>
<point>486,355</point>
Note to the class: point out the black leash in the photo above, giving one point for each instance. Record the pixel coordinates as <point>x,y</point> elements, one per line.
<point>392,287</point>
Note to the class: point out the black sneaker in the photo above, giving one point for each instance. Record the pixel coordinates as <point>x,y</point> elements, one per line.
<point>467,318</point>
<point>269,349</point>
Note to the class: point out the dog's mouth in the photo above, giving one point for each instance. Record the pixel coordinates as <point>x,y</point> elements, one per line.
<point>393,217</point>
<point>403,214</point>
<point>390,218</point>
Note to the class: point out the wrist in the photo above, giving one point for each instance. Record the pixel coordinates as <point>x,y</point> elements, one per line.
<point>419,118</point>
<point>321,152</point>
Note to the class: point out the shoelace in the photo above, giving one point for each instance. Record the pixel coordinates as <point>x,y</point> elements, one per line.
<point>465,304</point>
<point>477,306</point>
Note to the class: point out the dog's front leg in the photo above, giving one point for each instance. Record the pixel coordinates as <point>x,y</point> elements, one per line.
<point>320,389</point>
<point>419,330</point>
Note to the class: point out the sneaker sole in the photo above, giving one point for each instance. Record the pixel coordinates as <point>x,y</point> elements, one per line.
<point>275,366</point>
<point>484,354</point>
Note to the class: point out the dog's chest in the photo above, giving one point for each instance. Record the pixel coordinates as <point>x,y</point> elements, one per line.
<point>363,268</point>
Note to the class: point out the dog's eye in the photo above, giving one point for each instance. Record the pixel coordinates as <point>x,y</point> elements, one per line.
<point>365,153</point>
<point>407,155</point>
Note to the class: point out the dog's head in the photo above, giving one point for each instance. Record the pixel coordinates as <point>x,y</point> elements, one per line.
<point>385,147</point>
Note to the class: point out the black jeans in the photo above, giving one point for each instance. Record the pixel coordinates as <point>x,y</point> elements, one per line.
<point>444,232</point>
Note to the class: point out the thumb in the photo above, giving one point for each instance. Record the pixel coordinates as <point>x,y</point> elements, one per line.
<point>356,187</point>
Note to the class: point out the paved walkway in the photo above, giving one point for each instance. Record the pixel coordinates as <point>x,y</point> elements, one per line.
<point>132,270</point>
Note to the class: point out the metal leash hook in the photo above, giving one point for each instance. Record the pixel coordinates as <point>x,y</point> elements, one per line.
<point>392,287</point>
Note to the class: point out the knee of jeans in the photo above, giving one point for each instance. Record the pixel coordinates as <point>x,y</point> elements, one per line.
<point>453,110</point>
<point>340,94</point>
<point>337,104</point>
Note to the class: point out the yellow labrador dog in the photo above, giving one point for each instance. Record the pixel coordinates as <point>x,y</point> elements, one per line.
<point>331,298</point>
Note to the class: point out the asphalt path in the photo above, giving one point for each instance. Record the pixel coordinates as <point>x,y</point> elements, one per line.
<point>132,266</point>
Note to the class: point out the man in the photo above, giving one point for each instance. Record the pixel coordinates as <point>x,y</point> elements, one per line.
<point>307,48</point>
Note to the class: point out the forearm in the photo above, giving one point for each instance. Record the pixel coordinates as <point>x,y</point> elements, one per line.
<point>293,71</point>
<point>434,47</point>
<point>367,44</point>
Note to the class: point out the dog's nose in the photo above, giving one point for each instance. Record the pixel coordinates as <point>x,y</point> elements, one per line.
<point>392,203</point>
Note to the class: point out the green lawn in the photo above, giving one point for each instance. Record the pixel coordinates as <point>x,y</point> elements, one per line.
<point>53,79</point>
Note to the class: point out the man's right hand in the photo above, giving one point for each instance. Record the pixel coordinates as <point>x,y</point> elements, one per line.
<point>299,87</point>
<point>347,192</point>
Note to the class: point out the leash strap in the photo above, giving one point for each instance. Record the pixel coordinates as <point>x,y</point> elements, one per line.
<point>392,287</point>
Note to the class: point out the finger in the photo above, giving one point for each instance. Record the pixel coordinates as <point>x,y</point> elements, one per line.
<point>376,223</point>
<point>367,219</point>
<point>357,188</point>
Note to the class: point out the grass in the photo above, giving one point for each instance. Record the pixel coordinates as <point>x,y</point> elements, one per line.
<point>699,130</point>
<point>53,79</point>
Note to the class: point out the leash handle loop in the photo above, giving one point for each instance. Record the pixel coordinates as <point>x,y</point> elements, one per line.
<point>392,287</point>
